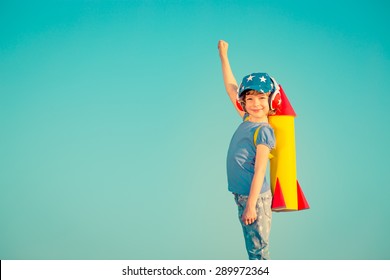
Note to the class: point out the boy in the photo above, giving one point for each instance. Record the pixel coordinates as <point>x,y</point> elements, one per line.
<point>248,155</point>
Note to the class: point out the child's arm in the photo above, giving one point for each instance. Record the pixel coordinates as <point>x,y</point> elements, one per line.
<point>228,77</point>
<point>250,215</point>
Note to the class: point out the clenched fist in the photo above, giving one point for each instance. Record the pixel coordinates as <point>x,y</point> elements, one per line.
<point>223,47</point>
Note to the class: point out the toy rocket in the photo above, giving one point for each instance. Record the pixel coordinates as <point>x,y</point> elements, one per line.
<point>287,194</point>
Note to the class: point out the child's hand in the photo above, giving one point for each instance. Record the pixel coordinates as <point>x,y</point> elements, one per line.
<point>249,216</point>
<point>223,47</point>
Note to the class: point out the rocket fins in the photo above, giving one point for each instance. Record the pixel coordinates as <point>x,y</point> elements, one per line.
<point>302,202</point>
<point>278,202</point>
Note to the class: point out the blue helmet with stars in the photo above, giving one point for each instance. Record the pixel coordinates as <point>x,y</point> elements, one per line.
<point>260,82</point>
<point>264,83</point>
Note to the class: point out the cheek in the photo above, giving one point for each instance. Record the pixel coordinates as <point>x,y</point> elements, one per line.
<point>248,103</point>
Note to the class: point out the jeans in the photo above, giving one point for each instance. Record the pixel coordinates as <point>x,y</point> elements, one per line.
<point>257,234</point>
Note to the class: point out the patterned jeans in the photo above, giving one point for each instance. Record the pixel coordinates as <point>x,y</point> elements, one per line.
<point>257,234</point>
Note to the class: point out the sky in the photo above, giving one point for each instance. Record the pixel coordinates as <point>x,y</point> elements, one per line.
<point>115,126</point>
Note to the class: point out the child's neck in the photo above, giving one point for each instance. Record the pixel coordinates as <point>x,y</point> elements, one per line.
<point>257,120</point>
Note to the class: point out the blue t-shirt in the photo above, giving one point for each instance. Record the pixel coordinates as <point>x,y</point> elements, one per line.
<point>242,154</point>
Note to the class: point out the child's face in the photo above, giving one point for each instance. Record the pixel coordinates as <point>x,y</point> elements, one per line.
<point>257,106</point>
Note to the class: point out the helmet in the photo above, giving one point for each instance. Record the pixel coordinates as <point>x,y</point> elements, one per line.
<point>261,82</point>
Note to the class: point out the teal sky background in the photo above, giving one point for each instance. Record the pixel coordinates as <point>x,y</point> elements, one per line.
<point>115,126</point>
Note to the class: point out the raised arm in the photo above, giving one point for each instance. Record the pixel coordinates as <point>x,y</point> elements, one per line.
<point>228,77</point>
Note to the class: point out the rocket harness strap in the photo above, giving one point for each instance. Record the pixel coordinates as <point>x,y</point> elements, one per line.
<point>270,156</point>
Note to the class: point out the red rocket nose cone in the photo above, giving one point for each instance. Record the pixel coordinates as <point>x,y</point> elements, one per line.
<point>285,108</point>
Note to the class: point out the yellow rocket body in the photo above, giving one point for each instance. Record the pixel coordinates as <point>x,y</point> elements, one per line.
<point>287,194</point>
<point>283,164</point>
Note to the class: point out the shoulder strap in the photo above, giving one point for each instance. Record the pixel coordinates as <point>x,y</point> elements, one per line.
<point>255,139</point>
<point>256,134</point>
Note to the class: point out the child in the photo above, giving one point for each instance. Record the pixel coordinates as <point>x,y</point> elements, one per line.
<point>247,159</point>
